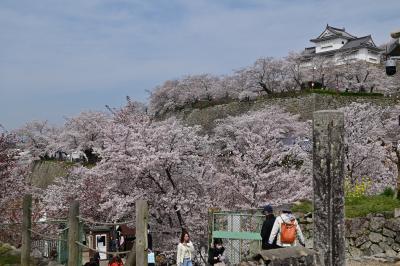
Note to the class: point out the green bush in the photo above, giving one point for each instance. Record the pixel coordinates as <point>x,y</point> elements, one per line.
<point>358,188</point>
<point>388,192</point>
<point>343,93</point>
<point>357,206</point>
<point>6,258</point>
<point>361,206</point>
<point>304,206</point>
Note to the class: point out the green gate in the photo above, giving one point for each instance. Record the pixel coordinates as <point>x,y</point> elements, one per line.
<point>239,231</point>
<point>62,247</point>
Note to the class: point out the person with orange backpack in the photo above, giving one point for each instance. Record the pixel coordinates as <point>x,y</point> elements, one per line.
<point>287,230</point>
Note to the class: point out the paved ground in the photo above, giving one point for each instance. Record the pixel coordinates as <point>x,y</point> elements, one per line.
<point>370,263</point>
<point>349,263</point>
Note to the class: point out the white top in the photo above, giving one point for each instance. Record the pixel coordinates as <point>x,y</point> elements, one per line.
<point>185,251</point>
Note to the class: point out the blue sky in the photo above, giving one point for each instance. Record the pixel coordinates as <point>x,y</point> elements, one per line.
<point>61,57</point>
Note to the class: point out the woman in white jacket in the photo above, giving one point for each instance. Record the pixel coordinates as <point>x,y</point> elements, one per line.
<point>185,250</point>
<point>288,218</point>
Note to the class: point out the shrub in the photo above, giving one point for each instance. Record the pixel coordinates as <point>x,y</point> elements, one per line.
<point>388,192</point>
<point>304,206</point>
<point>360,207</point>
<point>357,188</point>
<point>345,93</point>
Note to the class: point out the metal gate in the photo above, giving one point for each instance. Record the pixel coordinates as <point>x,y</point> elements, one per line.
<point>62,247</point>
<point>239,231</point>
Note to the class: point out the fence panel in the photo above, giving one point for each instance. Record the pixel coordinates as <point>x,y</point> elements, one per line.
<point>240,232</point>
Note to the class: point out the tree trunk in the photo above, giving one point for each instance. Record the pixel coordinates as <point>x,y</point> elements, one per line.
<point>397,190</point>
<point>264,87</point>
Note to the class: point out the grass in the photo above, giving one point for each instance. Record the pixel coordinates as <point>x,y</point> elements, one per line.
<point>358,207</point>
<point>343,93</point>
<point>304,206</point>
<point>6,258</point>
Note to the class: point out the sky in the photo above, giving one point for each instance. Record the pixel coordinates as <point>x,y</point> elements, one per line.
<point>61,57</point>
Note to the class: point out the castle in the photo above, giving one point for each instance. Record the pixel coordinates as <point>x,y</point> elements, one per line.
<point>339,46</point>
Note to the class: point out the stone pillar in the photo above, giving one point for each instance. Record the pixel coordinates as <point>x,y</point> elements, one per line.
<point>26,227</point>
<point>328,182</point>
<point>73,234</point>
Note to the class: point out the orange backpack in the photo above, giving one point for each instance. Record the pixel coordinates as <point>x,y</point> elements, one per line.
<point>288,232</point>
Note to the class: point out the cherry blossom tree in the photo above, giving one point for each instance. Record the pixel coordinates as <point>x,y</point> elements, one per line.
<point>176,94</point>
<point>361,76</point>
<point>323,71</point>
<point>7,163</point>
<point>265,75</point>
<point>79,184</point>
<point>259,160</point>
<point>83,133</point>
<point>12,186</point>
<point>163,162</point>
<point>296,73</point>
<point>366,152</point>
<point>392,143</point>
<point>38,139</point>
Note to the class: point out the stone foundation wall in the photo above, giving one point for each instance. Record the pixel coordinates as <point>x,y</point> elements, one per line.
<point>377,234</point>
<point>304,105</point>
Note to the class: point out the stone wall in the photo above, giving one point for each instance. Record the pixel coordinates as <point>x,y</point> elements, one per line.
<point>44,172</point>
<point>377,234</point>
<point>302,104</point>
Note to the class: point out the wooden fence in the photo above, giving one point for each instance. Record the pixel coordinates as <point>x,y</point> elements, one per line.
<point>72,240</point>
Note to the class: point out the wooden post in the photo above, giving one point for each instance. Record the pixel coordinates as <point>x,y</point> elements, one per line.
<point>141,232</point>
<point>131,259</point>
<point>73,234</point>
<point>328,182</point>
<point>26,227</point>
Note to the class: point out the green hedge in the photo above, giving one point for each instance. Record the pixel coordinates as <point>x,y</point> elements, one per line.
<point>358,207</point>
<point>343,93</point>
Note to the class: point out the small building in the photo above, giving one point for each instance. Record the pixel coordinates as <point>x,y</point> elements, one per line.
<point>128,234</point>
<point>338,45</point>
<point>109,239</point>
<point>98,238</point>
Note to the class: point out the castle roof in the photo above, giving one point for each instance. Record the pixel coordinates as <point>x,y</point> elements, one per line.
<point>361,42</point>
<point>333,33</point>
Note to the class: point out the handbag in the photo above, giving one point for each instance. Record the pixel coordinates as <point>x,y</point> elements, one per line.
<point>151,257</point>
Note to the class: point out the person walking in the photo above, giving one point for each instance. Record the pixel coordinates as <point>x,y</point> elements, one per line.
<point>185,250</point>
<point>150,252</point>
<point>216,253</point>
<point>286,229</point>
<point>267,228</point>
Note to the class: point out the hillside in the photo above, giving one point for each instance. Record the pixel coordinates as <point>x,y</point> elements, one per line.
<point>302,103</point>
